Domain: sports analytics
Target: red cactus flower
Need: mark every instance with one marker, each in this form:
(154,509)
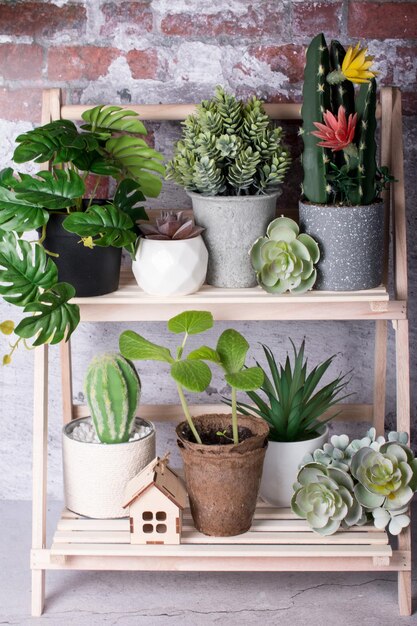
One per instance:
(336,132)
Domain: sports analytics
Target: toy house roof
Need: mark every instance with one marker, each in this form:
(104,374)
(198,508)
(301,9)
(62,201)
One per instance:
(157,474)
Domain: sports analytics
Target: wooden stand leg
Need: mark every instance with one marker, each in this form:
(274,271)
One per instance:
(403,424)
(66,377)
(40,443)
(380,374)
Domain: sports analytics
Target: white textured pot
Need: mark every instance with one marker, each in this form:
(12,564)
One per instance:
(170,267)
(96,474)
(281,467)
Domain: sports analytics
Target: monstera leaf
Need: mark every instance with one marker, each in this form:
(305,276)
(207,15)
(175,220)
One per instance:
(109,226)
(58,141)
(138,161)
(18,215)
(127,197)
(25,270)
(112,118)
(53,319)
(52,191)
(7,178)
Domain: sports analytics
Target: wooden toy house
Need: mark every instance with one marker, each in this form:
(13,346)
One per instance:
(156,498)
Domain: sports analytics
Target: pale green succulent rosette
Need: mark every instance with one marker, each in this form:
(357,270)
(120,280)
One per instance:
(324,497)
(284,260)
(386,478)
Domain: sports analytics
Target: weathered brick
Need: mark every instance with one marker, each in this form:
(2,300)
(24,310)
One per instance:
(134,16)
(266,18)
(143,63)
(288,60)
(38,19)
(21,104)
(310,18)
(97,186)
(21,61)
(404,65)
(78,62)
(382,20)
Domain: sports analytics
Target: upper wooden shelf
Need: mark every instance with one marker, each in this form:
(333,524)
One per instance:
(130,303)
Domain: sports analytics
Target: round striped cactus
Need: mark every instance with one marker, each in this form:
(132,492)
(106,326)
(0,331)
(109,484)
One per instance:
(112,387)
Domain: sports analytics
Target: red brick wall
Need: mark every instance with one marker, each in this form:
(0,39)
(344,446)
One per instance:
(165,51)
(182,48)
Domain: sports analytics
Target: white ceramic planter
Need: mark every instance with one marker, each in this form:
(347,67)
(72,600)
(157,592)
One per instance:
(96,474)
(171,267)
(281,467)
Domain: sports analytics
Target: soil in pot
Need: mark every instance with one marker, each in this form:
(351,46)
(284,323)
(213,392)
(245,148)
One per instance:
(222,478)
(91,272)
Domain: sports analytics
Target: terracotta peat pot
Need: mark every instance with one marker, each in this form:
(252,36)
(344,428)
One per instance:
(351,242)
(91,272)
(223,480)
(233,224)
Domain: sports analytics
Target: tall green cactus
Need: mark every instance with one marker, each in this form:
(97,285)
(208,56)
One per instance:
(112,387)
(365,191)
(316,99)
(342,94)
(349,175)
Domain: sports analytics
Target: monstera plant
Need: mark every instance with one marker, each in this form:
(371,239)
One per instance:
(108,144)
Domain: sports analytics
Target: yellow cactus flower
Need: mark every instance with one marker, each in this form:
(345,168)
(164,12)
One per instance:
(7,327)
(356,65)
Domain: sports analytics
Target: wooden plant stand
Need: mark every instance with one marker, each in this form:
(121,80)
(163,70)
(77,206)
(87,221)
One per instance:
(277,540)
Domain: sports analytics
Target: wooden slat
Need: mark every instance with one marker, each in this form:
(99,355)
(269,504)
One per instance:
(172,412)
(174,112)
(220,551)
(192,536)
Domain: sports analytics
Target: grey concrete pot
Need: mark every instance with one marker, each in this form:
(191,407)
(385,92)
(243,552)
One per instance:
(232,225)
(351,241)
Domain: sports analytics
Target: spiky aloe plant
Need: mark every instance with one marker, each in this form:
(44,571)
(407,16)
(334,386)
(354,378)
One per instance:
(229,148)
(341,168)
(112,387)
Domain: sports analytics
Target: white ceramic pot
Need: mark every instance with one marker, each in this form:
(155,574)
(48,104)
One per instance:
(170,267)
(281,467)
(96,474)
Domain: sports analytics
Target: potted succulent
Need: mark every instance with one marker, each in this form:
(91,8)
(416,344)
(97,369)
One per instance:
(103,452)
(341,206)
(223,455)
(171,257)
(368,480)
(293,406)
(232,162)
(43,275)
(284,259)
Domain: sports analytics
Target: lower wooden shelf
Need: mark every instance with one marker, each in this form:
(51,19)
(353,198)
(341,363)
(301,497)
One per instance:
(277,541)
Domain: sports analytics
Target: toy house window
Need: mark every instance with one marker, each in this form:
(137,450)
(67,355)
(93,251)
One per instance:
(148,516)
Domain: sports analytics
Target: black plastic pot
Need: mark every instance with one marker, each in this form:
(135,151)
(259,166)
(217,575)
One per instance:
(92,272)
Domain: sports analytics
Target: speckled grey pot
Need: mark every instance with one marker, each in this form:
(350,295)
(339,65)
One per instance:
(351,241)
(232,225)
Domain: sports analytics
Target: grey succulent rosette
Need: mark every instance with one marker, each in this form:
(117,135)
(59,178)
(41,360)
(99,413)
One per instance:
(324,496)
(383,478)
(284,259)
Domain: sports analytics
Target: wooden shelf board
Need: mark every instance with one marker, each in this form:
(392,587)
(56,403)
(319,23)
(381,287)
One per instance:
(130,303)
(274,533)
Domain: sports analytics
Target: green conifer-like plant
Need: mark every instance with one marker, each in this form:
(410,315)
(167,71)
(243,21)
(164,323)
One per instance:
(229,148)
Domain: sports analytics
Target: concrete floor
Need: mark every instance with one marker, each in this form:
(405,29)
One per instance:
(190,599)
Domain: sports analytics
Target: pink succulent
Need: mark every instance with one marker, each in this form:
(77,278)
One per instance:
(336,132)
